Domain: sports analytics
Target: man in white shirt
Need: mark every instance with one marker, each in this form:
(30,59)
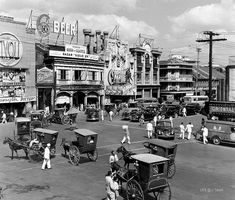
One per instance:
(110,186)
(149,128)
(111,115)
(189,129)
(46,161)
(184,111)
(182,130)
(204,134)
(155,120)
(113,159)
(4,117)
(126,135)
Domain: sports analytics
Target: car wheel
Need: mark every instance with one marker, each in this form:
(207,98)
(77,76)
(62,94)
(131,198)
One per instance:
(216,140)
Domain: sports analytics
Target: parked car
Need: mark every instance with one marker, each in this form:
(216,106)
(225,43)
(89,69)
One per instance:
(164,130)
(170,110)
(92,114)
(127,113)
(191,108)
(135,114)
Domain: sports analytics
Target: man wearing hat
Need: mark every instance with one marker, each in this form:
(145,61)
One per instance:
(126,135)
(46,161)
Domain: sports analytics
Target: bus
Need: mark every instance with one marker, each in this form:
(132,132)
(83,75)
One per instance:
(146,102)
(196,99)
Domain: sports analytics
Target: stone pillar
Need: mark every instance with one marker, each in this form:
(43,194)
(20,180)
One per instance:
(91,43)
(85,101)
(86,33)
(99,100)
(98,41)
(105,33)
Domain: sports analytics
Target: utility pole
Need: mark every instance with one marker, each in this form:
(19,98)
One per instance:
(196,84)
(210,40)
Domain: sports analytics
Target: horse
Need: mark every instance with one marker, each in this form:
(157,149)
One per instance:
(126,156)
(16,145)
(66,145)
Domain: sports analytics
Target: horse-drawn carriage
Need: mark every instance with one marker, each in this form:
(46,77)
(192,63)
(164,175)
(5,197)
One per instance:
(85,144)
(148,175)
(166,149)
(37,119)
(33,141)
(42,138)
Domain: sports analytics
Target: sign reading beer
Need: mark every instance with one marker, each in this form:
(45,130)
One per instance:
(11,50)
(44,26)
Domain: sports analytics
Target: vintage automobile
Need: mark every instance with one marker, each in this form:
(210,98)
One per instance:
(37,119)
(126,114)
(92,114)
(170,110)
(219,132)
(150,112)
(108,107)
(164,130)
(135,114)
(191,108)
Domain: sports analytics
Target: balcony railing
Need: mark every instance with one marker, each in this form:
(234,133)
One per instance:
(79,82)
(177,78)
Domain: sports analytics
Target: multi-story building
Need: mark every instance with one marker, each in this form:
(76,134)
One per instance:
(68,72)
(69,75)
(17,67)
(176,77)
(146,65)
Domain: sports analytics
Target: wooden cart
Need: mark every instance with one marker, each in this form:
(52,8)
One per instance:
(166,149)
(149,175)
(85,143)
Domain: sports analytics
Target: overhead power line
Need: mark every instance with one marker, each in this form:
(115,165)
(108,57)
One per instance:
(210,40)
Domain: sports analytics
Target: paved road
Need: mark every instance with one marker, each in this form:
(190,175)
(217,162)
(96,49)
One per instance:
(203,171)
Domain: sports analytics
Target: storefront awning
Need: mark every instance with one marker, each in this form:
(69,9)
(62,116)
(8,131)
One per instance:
(62,100)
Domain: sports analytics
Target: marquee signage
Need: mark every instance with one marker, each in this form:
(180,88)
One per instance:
(11,49)
(73,55)
(17,99)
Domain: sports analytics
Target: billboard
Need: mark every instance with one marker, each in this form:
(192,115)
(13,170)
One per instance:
(119,74)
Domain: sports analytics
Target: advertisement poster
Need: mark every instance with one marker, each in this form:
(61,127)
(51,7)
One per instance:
(119,75)
(12,83)
(45,75)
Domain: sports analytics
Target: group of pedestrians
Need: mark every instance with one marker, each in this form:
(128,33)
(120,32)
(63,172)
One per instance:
(183,130)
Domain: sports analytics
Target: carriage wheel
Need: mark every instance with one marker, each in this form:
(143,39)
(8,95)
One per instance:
(74,155)
(52,151)
(93,155)
(171,170)
(164,193)
(65,120)
(35,155)
(134,190)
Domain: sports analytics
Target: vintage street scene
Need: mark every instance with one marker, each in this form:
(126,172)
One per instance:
(117,100)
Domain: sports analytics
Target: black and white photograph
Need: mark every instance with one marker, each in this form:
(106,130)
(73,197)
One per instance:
(117,100)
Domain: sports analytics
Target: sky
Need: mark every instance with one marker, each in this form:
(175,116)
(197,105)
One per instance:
(174,25)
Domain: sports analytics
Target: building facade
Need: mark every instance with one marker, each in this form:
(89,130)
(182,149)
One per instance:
(17,67)
(146,66)
(201,78)
(69,77)
(176,77)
